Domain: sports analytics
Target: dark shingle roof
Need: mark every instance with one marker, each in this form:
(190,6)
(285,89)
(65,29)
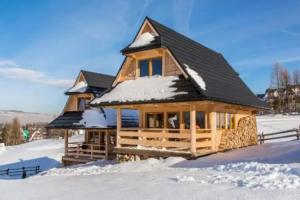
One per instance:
(222,82)
(67,120)
(94,79)
(96,83)
(71,120)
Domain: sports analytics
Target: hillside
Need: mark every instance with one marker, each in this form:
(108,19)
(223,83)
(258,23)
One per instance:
(24,117)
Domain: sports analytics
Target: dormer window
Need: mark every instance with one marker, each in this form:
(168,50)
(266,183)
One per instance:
(150,67)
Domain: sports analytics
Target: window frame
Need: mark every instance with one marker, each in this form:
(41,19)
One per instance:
(86,100)
(178,120)
(150,66)
(155,117)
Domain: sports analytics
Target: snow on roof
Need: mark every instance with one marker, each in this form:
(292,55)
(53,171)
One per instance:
(79,87)
(199,80)
(105,118)
(142,89)
(144,39)
(93,118)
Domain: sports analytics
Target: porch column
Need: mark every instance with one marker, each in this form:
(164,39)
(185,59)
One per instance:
(141,119)
(193,128)
(119,125)
(66,136)
(213,128)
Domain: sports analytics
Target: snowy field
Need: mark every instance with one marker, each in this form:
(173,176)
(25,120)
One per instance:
(268,171)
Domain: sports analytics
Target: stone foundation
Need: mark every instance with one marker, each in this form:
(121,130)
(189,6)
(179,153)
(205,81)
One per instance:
(244,135)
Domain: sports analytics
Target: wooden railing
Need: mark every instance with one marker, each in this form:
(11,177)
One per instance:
(293,133)
(83,150)
(164,139)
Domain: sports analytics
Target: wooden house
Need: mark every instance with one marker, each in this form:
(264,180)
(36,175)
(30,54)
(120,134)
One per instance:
(98,124)
(190,100)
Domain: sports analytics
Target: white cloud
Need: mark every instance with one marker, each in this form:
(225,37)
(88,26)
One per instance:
(10,69)
(289,32)
(181,12)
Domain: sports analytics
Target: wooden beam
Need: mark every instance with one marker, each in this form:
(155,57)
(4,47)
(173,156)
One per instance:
(193,128)
(107,144)
(66,141)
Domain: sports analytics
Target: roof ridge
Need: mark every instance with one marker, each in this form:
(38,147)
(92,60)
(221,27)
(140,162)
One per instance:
(85,71)
(181,35)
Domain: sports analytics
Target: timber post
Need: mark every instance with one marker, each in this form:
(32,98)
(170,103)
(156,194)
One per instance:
(213,129)
(107,144)
(119,124)
(193,129)
(66,142)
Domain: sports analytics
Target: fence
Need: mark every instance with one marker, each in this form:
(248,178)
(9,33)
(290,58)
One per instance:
(23,171)
(278,135)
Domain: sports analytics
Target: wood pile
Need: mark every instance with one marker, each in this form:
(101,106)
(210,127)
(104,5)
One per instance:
(244,135)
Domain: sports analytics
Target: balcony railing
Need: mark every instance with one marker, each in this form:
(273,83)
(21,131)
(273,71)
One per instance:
(163,139)
(87,151)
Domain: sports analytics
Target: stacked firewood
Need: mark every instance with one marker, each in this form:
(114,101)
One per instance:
(244,135)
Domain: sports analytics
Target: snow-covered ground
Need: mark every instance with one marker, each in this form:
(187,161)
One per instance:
(270,123)
(277,123)
(268,171)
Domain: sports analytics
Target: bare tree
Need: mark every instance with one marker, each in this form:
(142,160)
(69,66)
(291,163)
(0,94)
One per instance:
(13,135)
(296,77)
(275,76)
(285,82)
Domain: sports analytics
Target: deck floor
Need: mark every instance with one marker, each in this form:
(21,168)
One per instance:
(160,153)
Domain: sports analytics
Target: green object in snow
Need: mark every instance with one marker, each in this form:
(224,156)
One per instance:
(26,134)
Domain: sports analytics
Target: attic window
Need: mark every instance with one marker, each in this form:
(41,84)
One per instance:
(150,67)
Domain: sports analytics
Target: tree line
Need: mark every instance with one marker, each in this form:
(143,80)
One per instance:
(11,133)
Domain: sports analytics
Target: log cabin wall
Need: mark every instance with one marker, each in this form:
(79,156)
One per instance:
(72,103)
(130,68)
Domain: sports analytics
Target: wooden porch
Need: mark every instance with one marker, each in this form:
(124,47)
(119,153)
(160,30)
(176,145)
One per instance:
(98,144)
(196,132)
(167,142)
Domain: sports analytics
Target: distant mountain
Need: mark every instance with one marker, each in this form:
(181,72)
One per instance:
(24,117)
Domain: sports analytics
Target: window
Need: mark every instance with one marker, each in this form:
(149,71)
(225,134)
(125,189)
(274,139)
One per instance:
(186,120)
(144,68)
(200,120)
(82,103)
(155,64)
(221,121)
(173,120)
(155,120)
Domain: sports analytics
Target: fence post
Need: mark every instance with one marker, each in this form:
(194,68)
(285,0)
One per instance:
(7,172)
(262,138)
(298,132)
(23,173)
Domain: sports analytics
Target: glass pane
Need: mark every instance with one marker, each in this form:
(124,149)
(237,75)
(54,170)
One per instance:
(150,121)
(144,66)
(173,120)
(200,120)
(159,120)
(186,120)
(155,120)
(81,104)
(157,66)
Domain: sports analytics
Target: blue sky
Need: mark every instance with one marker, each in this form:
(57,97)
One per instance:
(44,44)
